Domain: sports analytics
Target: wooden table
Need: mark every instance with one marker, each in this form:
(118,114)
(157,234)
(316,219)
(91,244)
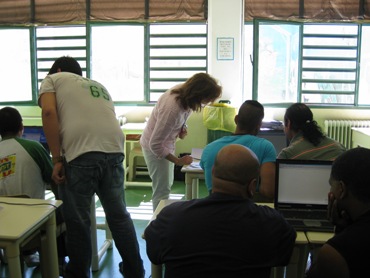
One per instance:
(23,219)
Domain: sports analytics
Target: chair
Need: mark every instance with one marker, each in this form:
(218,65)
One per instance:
(135,153)
(97,253)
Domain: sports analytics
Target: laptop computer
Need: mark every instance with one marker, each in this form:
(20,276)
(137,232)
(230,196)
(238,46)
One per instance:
(301,193)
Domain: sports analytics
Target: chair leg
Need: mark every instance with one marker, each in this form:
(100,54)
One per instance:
(3,258)
(98,252)
(131,168)
(94,237)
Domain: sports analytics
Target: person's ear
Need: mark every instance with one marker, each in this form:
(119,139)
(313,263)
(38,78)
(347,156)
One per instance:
(288,124)
(343,190)
(20,131)
(59,70)
(251,188)
(236,119)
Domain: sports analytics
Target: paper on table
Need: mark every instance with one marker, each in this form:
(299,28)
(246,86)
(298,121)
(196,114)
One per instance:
(193,166)
(196,153)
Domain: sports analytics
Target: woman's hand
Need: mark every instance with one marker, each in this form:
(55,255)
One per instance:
(185,160)
(183,132)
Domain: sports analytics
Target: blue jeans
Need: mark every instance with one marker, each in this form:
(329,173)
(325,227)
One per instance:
(100,173)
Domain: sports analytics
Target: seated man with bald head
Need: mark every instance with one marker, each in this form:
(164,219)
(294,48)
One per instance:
(225,234)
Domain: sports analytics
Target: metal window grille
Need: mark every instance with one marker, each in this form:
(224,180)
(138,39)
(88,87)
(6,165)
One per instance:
(177,51)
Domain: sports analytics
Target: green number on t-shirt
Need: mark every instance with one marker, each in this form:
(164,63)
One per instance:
(98,92)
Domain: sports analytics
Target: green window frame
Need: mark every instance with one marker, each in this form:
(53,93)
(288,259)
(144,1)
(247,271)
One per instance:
(53,42)
(161,56)
(314,63)
(16,73)
(176,52)
(117,60)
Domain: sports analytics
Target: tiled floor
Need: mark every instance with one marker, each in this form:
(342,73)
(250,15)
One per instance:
(139,204)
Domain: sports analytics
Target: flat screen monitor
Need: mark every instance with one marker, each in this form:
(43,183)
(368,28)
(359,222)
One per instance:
(35,133)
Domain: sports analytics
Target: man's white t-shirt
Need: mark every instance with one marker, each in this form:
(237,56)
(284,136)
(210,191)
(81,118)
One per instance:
(86,113)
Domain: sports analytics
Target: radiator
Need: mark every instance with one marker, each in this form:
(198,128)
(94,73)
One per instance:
(341,130)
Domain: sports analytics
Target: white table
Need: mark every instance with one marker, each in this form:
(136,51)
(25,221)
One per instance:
(318,238)
(23,219)
(360,137)
(192,176)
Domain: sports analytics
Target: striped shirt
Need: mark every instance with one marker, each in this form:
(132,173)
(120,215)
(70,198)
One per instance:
(300,148)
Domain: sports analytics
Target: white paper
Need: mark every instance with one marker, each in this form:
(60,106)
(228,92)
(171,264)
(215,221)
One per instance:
(196,153)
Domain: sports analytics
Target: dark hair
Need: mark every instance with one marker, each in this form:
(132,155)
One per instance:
(352,168)
(250,115)
(199,88)
(66,63)
(10,121)
(301,119)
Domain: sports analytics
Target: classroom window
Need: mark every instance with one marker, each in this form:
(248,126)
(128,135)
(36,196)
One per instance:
(177,51)
(329,63)
(364,84)
(248,58)
(15,72)
(117,60)
(276,64)
(313,63)
(53,42)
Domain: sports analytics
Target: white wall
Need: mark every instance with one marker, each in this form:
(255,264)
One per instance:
(226,20)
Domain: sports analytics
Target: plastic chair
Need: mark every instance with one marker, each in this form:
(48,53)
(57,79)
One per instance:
(97,253)
(135,153)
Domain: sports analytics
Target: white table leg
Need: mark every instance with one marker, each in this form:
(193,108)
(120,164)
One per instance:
(12,255)
(49,256)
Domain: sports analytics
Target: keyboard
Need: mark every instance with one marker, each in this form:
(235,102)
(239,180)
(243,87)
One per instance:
(304,214)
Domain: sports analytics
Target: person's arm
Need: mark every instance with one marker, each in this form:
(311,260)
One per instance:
(180,161)
(267,176)
(50,122)
(329,264)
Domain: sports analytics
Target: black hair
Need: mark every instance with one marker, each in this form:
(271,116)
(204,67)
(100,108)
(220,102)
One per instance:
(301,119)
(250,115)
(10,121)
(66,63)
(351,167)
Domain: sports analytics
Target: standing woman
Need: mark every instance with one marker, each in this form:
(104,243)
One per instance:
(167,122)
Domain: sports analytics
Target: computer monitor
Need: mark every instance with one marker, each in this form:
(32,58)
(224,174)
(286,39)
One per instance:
(35,133)
(276,137)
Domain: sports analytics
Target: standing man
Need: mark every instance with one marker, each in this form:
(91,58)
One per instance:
(87,147)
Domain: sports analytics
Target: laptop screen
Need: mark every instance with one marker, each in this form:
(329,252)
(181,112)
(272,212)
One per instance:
(302,183)
(35,133)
